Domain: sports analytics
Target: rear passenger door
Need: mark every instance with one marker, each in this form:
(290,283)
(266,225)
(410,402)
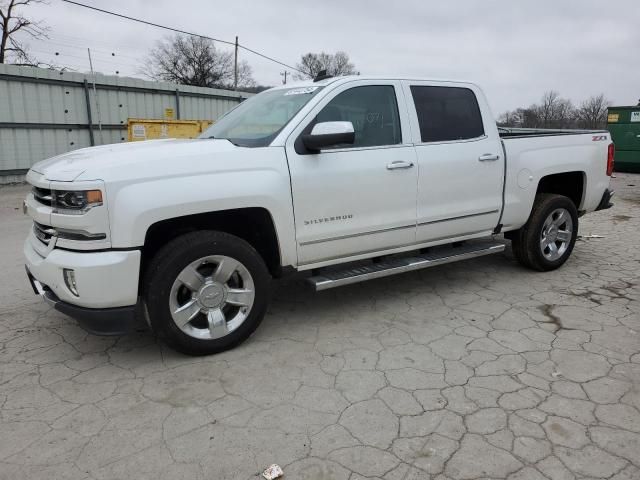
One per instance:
(460,160)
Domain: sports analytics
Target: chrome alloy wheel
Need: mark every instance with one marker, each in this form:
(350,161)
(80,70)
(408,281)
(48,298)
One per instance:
(211,297)
(556,234)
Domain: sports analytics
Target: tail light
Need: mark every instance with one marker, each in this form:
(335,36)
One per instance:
(610,158)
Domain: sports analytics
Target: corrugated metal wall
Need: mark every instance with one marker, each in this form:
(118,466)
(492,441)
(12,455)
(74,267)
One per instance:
(44,112)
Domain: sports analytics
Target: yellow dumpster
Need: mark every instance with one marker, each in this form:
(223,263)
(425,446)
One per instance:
(152,129)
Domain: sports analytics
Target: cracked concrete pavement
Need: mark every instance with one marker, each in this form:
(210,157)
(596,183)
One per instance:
(473,370)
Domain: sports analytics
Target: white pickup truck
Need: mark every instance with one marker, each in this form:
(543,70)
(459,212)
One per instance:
(350,178)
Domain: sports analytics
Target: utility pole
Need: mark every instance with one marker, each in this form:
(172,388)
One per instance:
(284,77)
(95,94)
(235,67)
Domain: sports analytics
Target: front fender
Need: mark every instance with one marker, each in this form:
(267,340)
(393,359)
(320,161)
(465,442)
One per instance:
(135,207)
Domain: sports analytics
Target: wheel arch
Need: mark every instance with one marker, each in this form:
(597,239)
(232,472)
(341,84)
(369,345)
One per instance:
(255,225)
(569,184)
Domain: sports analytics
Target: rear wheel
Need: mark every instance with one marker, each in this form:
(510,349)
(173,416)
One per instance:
(206,292)
(546,241)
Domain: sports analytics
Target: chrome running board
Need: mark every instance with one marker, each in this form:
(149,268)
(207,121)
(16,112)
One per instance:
(435,256)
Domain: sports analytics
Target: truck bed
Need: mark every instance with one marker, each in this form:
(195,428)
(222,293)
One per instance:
(531,154)
(514,132)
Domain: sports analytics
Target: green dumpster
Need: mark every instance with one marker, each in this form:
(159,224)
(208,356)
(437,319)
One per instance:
(624,125)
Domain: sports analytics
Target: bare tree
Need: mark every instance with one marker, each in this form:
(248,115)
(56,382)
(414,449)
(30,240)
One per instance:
(553,112)
(14,22)
(512,118)
(593,112)
(557,112)
(191,60)
(565,115)
(335,64)
(521,118)
(547,109)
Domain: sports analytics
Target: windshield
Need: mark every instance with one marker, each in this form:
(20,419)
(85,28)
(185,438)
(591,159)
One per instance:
(258,120)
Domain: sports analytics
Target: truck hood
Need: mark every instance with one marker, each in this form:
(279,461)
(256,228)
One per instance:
(136,159)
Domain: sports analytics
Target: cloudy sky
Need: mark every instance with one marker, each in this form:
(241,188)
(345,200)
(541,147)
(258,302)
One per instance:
(515,50)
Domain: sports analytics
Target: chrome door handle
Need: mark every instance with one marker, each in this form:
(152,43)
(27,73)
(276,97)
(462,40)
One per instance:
(489,157)
(398,165)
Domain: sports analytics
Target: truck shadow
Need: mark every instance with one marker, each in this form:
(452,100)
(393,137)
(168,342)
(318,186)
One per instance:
(363,309)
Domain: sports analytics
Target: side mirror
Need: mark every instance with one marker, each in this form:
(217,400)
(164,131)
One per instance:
(329,134)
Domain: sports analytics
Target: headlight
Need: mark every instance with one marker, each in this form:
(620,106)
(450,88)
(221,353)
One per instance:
(75,201)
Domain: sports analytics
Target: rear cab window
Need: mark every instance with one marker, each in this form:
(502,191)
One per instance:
(447,113)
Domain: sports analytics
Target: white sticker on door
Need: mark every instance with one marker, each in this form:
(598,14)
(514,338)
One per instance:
(635,116)
(301,91)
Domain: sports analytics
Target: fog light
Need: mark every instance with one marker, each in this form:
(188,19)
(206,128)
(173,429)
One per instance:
(70,280)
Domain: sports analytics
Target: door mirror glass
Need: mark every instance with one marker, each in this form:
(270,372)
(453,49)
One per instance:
(329,134)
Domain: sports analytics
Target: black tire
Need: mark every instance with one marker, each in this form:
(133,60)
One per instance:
(525,242)
(172,259)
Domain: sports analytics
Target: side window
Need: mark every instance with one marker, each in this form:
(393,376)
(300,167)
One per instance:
(447,113)
(373,110)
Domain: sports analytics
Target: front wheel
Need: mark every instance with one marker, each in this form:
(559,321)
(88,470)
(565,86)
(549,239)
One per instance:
(206,292)
(546,241)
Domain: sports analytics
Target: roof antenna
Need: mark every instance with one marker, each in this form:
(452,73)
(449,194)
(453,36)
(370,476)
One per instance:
(322,75)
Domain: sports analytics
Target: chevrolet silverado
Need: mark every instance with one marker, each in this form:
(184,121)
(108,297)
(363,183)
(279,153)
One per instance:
(349,178)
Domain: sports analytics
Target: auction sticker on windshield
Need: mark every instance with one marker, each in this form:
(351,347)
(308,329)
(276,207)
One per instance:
(301,91)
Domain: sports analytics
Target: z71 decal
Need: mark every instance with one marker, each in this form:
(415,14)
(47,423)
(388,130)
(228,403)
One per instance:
(599,138)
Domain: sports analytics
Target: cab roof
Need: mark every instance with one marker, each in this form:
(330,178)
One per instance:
(347,78)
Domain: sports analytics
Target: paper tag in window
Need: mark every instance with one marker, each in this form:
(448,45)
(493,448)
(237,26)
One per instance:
(301,91)
(635,116)
(138,131)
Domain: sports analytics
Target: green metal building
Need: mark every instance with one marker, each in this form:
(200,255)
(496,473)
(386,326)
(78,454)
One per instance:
(624,125)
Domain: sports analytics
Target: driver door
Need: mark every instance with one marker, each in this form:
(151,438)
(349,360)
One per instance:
(358,199)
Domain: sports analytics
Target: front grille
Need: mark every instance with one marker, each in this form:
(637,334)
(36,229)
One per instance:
(43,233)
(42,195)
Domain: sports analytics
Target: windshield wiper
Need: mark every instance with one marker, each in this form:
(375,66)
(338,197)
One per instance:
(227,139)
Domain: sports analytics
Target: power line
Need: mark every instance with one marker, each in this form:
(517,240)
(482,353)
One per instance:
(157,25)
(269,58)
(111,53)
(64,54)
(111,45)
(126,17)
